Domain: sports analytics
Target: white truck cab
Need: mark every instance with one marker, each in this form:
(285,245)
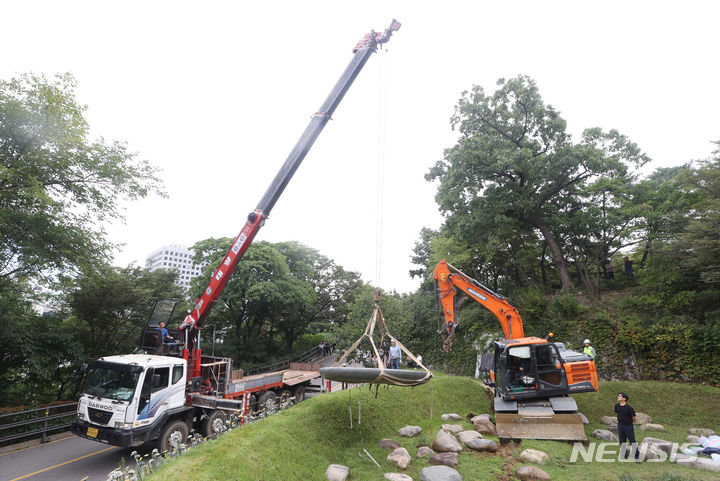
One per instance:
(128,399)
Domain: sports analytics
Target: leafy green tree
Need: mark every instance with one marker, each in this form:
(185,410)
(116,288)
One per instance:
(109,306)
(515,161)
(55,183)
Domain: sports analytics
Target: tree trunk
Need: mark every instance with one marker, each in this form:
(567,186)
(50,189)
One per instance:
(555,251)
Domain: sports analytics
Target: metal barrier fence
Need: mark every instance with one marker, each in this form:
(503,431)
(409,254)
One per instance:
(49,417)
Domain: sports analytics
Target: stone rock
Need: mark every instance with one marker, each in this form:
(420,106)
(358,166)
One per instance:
(409,431)
(465,436)
(701,431)
(451,417)
(642,418)
(604,434)
(697,462)
(652,427)
(452,428)
(613,428)
(584,419)
(534,456)
(388,444)
(660,444)
(400,458)
(608,420)
(446,442)
(484,426)
(472,419)
(693,439)
(445,459)
(650,451)
(425,451)
(397,477)
(531,473)
(478,444)
(337,472)
(439,473)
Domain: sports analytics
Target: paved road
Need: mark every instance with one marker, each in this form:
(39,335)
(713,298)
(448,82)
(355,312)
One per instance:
(67,458)
(70,458)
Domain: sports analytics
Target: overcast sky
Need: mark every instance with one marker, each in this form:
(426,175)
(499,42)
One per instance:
(217,93)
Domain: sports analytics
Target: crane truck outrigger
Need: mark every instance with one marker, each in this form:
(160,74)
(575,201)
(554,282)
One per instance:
(136,399)
(532,377)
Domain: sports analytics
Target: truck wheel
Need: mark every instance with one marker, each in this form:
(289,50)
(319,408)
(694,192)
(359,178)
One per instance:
(267,401)
(213,425)
(300,393)
(174,434)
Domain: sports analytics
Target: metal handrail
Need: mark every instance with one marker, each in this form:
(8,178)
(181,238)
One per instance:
(44,430)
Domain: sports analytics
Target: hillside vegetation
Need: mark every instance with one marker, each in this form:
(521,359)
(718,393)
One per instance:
(300,443)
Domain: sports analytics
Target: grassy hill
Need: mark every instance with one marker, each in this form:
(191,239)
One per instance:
(299,444)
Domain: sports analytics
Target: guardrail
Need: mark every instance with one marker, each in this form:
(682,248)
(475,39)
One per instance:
(50,419)
(305,357)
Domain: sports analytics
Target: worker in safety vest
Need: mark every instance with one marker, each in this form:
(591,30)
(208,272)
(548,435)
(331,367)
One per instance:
(589,350)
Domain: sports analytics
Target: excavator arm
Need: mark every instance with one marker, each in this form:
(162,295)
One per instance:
(449,279)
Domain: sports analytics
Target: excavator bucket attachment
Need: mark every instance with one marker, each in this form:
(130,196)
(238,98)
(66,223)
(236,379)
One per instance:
(561,427)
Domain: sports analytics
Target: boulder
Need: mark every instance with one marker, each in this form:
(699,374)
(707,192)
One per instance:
(446,442)
(465,436)
(693,439)
(451,417)
(452,428)
(409,431)
(697,462)
(424,451)
(613,428)
(484,426)
(650,451)
(534,456)
(473,418)
(660,444)
(397,477)
(478,444)
(604,434)
(337,472)
(439,473)
(701,431)
(530,473)
(652,427)
(642,418)
(388,444)
(444,459)
(400,458)
(584,419)
(608,420)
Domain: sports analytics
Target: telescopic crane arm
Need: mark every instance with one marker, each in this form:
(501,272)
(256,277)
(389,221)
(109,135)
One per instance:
(255,220)
(448,279)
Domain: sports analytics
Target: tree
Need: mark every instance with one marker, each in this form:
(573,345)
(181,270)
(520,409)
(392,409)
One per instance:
(515,161)
(109,306)
(55,183)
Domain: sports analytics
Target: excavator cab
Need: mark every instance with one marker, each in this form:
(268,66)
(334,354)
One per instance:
(528,370)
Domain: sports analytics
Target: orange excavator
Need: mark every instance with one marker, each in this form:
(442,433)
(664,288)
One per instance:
(531,376)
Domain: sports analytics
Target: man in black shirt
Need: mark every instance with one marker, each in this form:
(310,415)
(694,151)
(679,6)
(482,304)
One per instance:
(626,431)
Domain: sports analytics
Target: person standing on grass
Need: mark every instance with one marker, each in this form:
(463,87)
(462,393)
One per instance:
(626,430)
(395,355)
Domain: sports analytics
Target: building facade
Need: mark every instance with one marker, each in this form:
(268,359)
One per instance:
(175,257)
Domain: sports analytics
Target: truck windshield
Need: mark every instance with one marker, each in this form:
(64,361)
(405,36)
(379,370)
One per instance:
(113,381)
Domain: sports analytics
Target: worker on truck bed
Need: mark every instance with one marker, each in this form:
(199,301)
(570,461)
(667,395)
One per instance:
(164,333)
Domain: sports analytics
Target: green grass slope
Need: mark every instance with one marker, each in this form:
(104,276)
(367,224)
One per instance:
(300,443)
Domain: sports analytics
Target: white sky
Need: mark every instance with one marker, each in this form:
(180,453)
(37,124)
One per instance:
(217,93)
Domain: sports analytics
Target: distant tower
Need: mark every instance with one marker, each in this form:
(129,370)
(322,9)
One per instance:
(175,257)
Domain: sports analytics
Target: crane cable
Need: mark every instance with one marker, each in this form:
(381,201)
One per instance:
(380,185)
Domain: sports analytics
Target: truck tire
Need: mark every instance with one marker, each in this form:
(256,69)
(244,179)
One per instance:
(213,425)
(267,401)
(300,393)
(176,432)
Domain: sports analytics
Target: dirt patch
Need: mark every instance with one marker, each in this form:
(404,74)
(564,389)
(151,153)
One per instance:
(508,470)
